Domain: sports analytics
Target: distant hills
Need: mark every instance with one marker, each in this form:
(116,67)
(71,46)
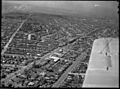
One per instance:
(11,7)
(97,11)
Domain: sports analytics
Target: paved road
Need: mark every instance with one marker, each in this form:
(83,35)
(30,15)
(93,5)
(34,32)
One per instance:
(75,63)
(12,75)
(65,74)
(77,73)
(6,46)
(16,55)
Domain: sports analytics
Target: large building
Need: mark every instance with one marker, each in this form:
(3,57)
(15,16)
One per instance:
(103,67)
